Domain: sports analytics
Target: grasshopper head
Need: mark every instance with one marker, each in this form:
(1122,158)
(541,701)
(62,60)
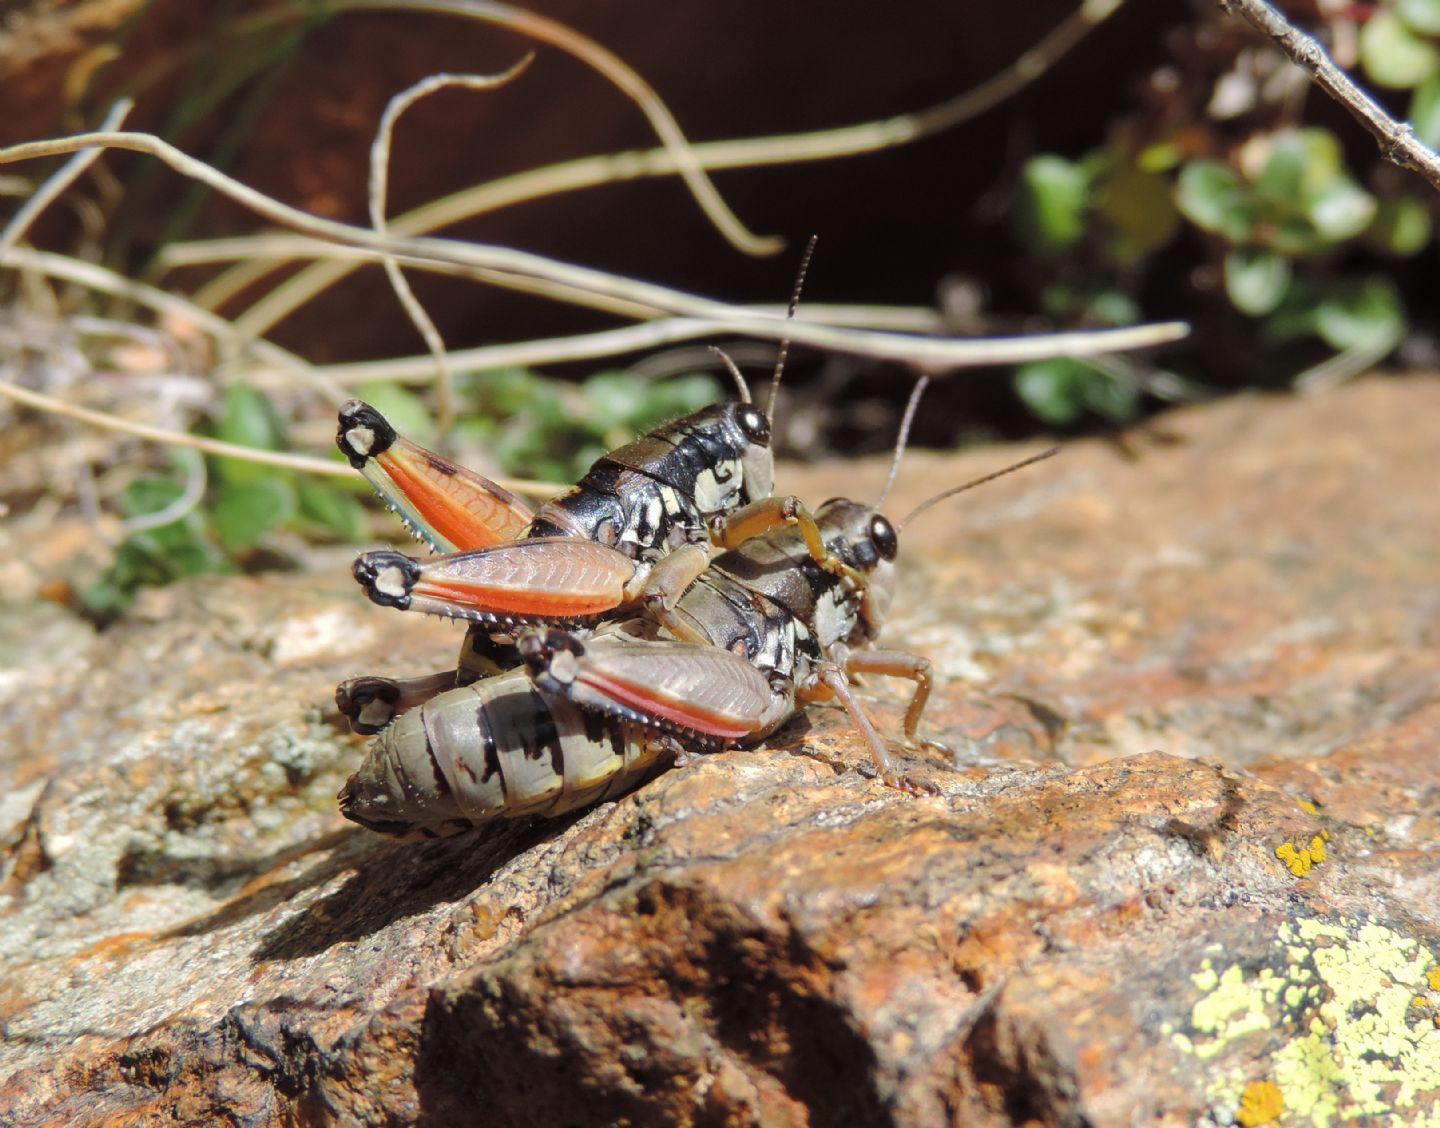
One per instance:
(725,452)
(863,538)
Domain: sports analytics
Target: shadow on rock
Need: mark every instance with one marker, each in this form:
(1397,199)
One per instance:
(396,880)
(265,891)
(752,1027)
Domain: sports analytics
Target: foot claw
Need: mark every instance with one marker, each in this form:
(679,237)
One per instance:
(914,785)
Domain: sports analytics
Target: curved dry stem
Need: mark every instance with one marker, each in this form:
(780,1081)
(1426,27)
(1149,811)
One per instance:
(302,462)
(646,336)
(61,179)
(182,506)
(930,353)
(618,72)
(379,185)
(783,149)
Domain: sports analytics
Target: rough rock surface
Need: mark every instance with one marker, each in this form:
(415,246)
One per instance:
(1185,867)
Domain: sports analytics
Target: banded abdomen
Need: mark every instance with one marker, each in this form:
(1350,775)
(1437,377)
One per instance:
(494,749)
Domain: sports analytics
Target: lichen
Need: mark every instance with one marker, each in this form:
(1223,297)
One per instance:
(1300,859)
(1335,1021)
(1260,1103)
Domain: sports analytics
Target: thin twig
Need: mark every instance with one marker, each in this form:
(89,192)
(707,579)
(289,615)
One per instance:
(190,497)
(1396,139)
(379,185)
(933,354)
(618,72)
(61,179)
(750,152)
(611,342)
(302,462)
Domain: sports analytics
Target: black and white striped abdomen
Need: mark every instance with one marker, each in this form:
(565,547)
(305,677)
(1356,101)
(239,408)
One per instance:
(493,749)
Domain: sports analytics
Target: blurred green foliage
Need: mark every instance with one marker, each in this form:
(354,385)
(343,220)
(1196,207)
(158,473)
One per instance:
(1302,243)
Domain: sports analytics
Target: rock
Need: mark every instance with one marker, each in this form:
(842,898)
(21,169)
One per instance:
(1181,869)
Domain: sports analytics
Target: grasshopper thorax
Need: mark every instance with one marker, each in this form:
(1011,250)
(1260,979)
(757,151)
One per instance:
(720,456)
(666,488)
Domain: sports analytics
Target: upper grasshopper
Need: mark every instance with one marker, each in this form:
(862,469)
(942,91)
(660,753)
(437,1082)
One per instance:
(701,480)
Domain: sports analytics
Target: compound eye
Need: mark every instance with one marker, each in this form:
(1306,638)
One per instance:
(882,533)
(754,424)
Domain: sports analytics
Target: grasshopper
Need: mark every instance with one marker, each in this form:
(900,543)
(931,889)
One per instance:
(764,630)
(699,481)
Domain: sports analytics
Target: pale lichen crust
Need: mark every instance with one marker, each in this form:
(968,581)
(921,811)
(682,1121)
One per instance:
(1340,1027)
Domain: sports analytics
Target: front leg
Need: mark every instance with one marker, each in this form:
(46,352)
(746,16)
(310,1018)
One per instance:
(770,513)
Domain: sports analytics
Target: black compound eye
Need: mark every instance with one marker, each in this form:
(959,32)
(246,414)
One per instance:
(882,533)
(754,424)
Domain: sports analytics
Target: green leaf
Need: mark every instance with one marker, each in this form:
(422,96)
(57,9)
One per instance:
(1340,210)
(1425,110)
(1324,156)
(1053,203)
(1360,312)
(149,494)
(685,394)
(1283,173)
(1051,388)
(1393,54)
(245,511)
(1140,207)
(249,420)
(1211,196)
(616,400)
(323,504)
(1402,226)
(1256,280)
(1421,15)
(1115,400)
(1111,307)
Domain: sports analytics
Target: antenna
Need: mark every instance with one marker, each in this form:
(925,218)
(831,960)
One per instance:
(789,313)
(905,421)
(953,490)
(734,371)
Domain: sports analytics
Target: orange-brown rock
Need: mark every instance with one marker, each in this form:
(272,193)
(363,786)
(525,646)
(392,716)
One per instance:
(1183,865)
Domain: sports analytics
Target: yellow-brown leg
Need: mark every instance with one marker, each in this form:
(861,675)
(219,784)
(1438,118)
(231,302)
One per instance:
(898,664)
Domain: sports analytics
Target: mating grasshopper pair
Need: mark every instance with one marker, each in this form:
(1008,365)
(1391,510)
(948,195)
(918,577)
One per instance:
(693,653)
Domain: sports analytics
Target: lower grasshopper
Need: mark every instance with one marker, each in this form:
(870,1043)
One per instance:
(764,630)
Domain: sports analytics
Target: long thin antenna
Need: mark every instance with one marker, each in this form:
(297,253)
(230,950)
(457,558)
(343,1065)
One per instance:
(953,490)
(734,371)
(905,421)
(789,313)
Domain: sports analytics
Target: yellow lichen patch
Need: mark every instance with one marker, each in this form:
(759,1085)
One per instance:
(1261,1103)
(1308,807)
(1433,978)
(1299,860)
(1331,1020)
